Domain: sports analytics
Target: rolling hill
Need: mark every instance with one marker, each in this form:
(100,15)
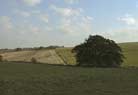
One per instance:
(64,56)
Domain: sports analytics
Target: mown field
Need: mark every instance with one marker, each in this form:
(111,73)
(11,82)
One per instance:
(45,56)
(42,79)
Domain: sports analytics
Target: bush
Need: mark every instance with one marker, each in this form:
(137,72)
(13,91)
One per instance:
(1,58)
(41,47)
(18,49)
(34,60)
(97,51)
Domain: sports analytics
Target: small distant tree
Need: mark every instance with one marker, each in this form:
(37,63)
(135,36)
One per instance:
(1,58)
(98,51)
(18,49)
(34,60)
(41,47)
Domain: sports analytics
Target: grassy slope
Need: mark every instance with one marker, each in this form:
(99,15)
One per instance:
(42,79)
(131,53)
(66,55)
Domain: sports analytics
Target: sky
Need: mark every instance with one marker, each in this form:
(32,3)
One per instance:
(34,23)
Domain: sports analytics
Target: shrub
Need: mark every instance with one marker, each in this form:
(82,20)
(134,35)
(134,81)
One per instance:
(1,58)
(18,49)
(41,47)
(34,60)
(98,51)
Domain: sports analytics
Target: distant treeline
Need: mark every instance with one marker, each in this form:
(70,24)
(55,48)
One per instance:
(33,48)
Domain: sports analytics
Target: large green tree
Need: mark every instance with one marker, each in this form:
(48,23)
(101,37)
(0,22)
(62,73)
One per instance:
(98,51)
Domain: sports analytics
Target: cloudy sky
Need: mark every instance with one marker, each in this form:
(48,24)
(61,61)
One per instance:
(29,23)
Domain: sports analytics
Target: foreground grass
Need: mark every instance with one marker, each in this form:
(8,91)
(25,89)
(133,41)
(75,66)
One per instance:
(42,79)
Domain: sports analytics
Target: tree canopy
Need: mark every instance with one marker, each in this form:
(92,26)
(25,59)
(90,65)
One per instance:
(97,51)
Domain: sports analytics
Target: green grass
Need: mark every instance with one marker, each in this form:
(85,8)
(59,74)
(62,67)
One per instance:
(130,51)
(42,79)
(66,55)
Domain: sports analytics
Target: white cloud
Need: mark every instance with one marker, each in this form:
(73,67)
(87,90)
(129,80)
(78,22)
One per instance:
(34,29)
(87,19)
(122,35)
(86,24)
(71,1)
(35,13)
(5,24)
(27,29)
(72,20)
(32,2)
(44,18)
(22,13)
(128,19)
(66,12)
(66,26)
(25,14)
(81,25)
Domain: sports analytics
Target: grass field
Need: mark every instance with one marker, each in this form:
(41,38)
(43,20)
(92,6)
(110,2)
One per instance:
(131,53)
(42,79)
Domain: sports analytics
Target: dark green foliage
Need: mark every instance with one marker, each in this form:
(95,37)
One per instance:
(98,51)
(18,49)
(1,58)
(49,47)
(33,60)
(41,47)
(54,47)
